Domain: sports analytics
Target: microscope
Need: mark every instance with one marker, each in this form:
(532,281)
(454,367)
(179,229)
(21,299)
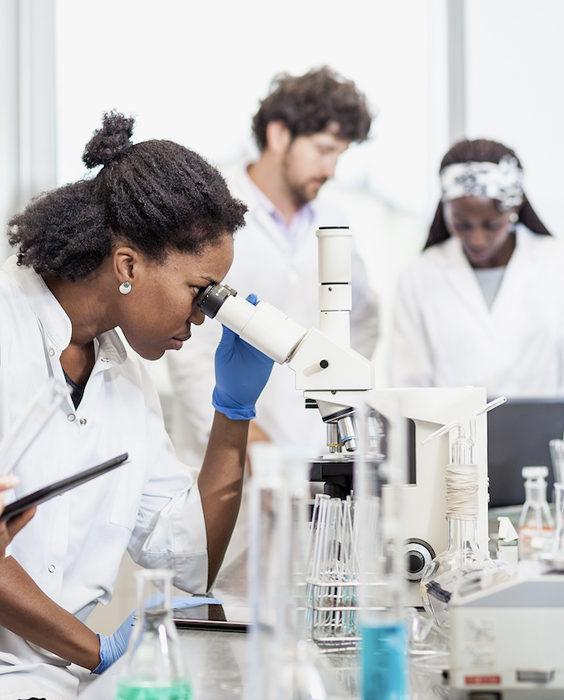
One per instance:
(339,382)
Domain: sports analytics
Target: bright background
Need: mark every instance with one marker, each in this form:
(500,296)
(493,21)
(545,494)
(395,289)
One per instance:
(194,72)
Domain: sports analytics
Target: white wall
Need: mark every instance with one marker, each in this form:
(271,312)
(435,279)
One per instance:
(515,93)
(194,73)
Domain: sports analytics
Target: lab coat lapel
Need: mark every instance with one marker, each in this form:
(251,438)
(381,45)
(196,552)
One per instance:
(461,281)
(265,221)
(244,188)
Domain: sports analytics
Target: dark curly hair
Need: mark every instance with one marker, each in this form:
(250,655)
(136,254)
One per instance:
(157,196)
(308,104)
(481,151)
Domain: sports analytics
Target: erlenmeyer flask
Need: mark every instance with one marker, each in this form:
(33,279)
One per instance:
(153,666)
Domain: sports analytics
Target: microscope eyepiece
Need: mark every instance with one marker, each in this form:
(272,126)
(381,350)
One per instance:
(213,297)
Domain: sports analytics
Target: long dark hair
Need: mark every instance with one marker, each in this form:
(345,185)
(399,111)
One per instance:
(155,195)
(481,151)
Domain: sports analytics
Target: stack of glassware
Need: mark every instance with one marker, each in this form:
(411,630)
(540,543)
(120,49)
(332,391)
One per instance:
(332,582)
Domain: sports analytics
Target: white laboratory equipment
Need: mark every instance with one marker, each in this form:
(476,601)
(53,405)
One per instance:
(536,525)
(506,642)
(153,664)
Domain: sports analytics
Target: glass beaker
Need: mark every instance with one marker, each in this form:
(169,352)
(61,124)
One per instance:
(153,665)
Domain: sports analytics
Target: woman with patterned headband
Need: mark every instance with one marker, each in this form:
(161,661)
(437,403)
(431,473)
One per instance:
(484,303)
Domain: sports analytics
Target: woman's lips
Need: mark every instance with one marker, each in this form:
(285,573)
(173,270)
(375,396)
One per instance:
(178,342)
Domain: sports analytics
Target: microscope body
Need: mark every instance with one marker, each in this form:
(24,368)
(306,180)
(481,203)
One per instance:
(340,383)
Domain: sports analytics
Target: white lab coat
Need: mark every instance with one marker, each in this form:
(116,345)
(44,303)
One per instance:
(73,546)
(444,334)
(285,275)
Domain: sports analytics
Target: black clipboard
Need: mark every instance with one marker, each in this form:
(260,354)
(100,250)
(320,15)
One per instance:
(59,487)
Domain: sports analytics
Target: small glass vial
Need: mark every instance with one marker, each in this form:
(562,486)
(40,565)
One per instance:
(153,666)
(536,526)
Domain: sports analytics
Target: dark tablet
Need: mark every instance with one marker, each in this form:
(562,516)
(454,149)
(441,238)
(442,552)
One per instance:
(213,616)
(59,487)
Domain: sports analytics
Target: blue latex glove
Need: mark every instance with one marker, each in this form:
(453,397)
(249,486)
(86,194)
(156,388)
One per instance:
(111,648)
(241,373)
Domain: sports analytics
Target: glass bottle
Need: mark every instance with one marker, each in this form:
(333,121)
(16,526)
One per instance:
(153,665)
(536,526)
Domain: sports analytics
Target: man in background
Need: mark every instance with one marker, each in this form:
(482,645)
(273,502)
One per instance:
(301,128)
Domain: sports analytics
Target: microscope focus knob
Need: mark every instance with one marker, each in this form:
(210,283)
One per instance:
(416,555)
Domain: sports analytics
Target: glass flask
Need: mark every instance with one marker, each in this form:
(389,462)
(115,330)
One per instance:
(553,560)
(463,567)
(557,458)
(153,665)
(536,526)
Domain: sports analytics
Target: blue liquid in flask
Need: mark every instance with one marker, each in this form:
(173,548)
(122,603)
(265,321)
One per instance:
(384,661)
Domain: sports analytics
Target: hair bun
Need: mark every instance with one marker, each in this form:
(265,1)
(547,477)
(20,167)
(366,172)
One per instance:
(110,141)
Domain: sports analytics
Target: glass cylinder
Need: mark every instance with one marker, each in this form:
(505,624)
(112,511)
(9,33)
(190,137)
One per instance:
(379,482)
(153,666)
(284,665)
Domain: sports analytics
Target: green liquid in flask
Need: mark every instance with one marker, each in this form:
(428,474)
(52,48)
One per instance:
(153,691)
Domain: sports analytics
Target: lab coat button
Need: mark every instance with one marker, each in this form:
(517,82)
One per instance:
(71,417)
(105,359)
(83,421)
(51,352)
(51,568)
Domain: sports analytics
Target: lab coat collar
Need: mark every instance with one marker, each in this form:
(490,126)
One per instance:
(263,210)
(52,318)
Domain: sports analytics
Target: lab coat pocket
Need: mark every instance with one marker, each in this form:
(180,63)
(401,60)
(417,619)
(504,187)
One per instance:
(126,497)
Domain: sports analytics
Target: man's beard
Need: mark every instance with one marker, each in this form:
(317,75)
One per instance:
(299,192)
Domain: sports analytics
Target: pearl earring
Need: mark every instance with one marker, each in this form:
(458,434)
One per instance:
(514,217)
(125,287)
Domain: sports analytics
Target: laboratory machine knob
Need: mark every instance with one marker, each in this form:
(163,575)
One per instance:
(417,554)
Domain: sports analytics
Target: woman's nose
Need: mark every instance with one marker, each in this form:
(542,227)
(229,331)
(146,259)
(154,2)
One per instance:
(477,236)
(197,316)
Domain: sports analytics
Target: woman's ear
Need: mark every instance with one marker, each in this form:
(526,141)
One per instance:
(126,263)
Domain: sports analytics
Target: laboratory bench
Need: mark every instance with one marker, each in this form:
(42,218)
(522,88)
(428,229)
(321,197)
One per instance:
(217,661)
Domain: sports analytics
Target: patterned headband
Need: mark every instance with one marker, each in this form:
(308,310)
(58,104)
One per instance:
(501,181)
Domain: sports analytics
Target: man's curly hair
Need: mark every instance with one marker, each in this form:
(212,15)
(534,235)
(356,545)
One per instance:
(310,103)
(156,196)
